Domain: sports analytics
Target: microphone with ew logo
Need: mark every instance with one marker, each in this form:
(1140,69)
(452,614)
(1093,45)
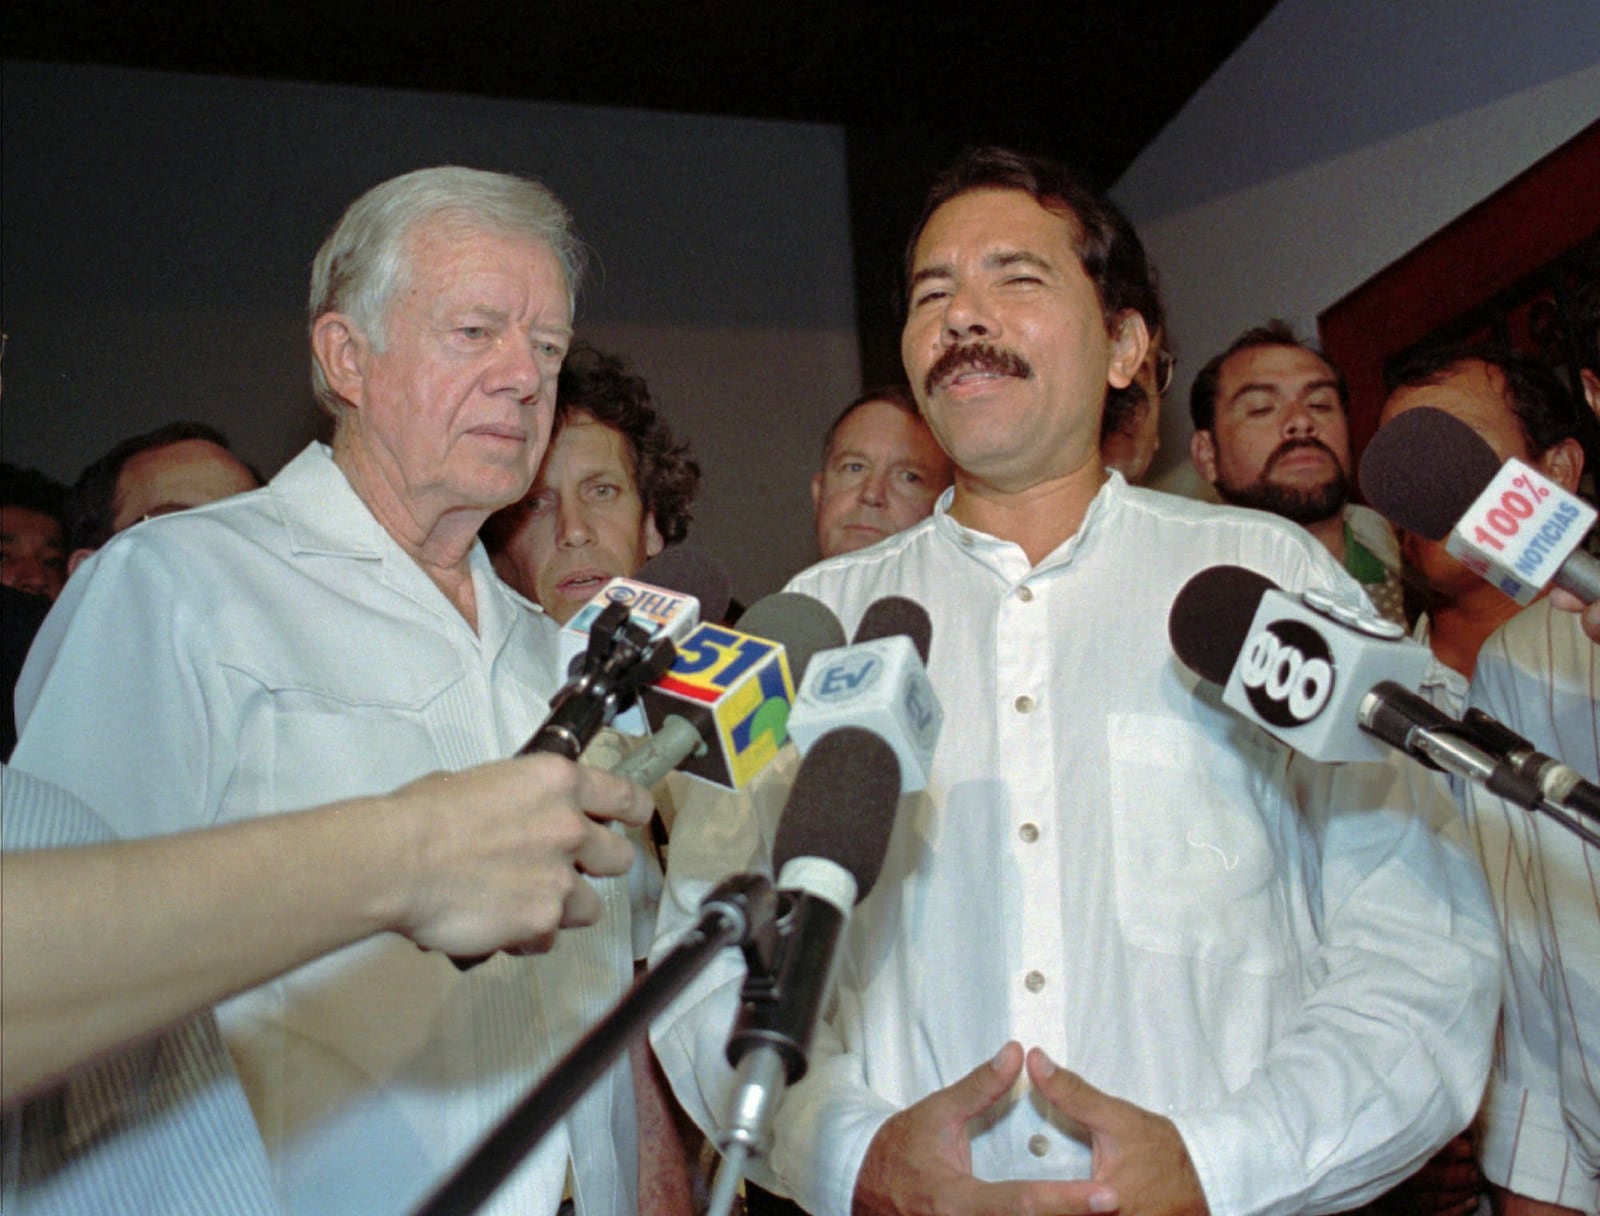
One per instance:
(879,683)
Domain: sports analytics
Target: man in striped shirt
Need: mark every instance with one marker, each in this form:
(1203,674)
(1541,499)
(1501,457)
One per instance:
(1538,1132)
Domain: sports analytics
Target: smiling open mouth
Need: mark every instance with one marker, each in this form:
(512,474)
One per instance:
(978,359)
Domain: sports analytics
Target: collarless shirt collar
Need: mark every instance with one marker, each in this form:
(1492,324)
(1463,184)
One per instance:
(1007,558)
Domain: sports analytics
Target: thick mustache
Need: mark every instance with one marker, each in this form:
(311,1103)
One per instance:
(1294,445)
(976,356)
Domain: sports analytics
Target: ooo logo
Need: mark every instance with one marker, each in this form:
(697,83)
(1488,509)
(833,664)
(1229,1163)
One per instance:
(1287,672)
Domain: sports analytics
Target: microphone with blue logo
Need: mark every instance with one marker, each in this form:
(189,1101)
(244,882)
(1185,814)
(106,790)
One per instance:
(879,683)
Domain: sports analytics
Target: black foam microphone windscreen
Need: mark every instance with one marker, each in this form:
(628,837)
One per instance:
(893,615)
(690,570)
(803,624)
(842,805)
(1210,618)
(1424,469)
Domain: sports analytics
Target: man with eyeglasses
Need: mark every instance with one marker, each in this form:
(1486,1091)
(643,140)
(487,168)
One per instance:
(1130,433)
(1270,432)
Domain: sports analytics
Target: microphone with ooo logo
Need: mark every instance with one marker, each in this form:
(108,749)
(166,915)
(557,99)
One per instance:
(880,682)
(1323,686)
(1298,665)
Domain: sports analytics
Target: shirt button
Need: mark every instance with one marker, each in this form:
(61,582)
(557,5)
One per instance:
(1024,704)
(1038,1145)
(1025,594)
(1029,832)
(1033,981)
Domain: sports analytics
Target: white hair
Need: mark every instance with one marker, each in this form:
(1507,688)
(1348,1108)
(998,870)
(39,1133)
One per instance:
(364,261)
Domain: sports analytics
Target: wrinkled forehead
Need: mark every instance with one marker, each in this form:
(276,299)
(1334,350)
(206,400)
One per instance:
(1277,368)
(444,245)
(577,427)
(880,423)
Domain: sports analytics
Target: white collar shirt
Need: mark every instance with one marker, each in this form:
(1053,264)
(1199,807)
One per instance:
(278,650)
(1280,956)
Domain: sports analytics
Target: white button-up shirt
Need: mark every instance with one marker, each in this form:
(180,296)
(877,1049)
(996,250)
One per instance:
(279,650)
(1282,957)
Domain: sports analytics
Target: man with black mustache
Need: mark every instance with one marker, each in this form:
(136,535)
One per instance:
(1127,952)
(1270,432)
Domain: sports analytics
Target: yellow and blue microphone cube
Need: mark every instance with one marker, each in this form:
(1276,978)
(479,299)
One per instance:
(737,690)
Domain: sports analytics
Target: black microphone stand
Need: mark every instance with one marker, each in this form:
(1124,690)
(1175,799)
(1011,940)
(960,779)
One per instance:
(734,913)
(778,1016)
(1484,751)
(1534,781)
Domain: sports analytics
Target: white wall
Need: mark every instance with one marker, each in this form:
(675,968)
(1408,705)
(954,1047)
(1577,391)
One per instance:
(158,233)
(1450,101)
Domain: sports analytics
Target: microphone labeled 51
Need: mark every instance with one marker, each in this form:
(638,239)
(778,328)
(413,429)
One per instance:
(1520,530)
(743,683)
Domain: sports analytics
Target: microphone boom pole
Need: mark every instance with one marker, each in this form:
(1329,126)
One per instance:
(730,916)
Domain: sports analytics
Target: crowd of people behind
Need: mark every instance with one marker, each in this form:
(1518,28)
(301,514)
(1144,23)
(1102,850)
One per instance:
(1128,951)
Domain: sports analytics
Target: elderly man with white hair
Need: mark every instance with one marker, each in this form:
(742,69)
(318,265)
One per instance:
(340,632)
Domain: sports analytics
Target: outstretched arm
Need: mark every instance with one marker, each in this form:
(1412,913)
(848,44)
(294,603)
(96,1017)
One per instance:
(107,942)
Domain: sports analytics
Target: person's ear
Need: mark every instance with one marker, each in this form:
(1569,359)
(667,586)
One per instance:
(340,349)
(1130,342)
(1562,463)
(1203,452)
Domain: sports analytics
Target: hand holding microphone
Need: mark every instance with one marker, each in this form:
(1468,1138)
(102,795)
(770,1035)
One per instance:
(621,654)
(1589,614)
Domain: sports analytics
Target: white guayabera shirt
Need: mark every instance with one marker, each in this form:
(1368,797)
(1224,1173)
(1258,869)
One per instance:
(278,650)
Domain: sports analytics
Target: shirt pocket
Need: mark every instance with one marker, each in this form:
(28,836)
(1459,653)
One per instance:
(382,716)
(1196,872)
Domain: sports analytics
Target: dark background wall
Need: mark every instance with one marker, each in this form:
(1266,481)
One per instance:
(159,229)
